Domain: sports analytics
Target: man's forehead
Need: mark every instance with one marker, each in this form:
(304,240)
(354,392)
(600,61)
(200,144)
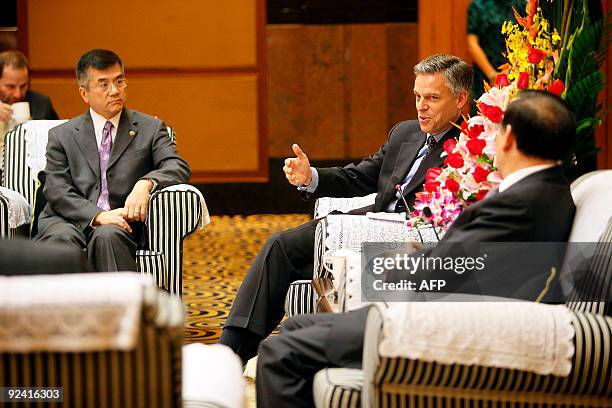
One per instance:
(431,83)
(12,74)
(103,74)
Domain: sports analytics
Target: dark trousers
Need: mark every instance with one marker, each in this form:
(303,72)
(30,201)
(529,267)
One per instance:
(109,248)
(285,257)
(21,256)
(287,363)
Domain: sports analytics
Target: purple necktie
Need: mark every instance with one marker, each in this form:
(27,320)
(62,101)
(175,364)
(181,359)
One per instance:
(105,151)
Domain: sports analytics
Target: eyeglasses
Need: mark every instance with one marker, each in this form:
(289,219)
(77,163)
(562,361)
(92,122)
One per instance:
(104,87)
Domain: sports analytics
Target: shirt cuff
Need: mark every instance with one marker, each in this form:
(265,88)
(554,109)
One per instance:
(314,182)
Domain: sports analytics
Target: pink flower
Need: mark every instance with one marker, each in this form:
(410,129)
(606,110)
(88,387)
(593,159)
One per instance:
(556,87)
(451,185)
(501,80)
(493,113)
(480,174)
(454,160)
(523,80)
(475,146)
(449,145)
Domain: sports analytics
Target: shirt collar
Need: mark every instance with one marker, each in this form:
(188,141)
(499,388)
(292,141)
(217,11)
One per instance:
(439,136)
(99,120)
(520,174)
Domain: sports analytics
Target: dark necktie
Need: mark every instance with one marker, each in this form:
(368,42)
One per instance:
(431,142)
(105,151)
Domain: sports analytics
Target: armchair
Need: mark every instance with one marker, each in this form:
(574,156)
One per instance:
(384,381)
(174,212)
(109,340)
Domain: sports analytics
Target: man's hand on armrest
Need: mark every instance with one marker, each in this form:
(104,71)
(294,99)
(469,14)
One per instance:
(112,217)
(137,203)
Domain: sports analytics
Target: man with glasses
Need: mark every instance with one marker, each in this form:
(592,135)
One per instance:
(102,167)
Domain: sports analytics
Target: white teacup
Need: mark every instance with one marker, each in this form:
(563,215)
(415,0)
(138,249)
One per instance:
(21,112)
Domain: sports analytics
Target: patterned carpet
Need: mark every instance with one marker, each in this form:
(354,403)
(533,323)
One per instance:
(215,262)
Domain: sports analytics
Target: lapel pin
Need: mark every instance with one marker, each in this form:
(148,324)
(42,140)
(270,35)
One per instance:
(132,133)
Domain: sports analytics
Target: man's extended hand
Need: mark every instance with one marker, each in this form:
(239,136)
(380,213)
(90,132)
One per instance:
(297,170)
(137,203)
(114,217)
(6,112)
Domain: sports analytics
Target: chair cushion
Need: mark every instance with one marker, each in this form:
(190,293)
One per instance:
(338,387)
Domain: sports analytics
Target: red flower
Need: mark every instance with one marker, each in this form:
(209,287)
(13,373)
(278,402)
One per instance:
(556,87)
(454,160)
(481,194)
(523,80)
(464,126)
(451,185)
(475,131)
(535,55)
(480,174)
(432,186)
(433,173)
(449,145)
(493,113)
(475,146)
(501,80)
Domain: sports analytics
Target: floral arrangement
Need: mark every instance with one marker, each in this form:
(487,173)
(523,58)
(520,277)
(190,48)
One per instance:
(469,172)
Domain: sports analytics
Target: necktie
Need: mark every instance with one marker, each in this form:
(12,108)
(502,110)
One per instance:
(431,142)
(105,151)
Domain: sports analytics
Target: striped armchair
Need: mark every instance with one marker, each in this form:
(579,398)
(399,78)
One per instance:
(174,213)
(116,347)
(391,382)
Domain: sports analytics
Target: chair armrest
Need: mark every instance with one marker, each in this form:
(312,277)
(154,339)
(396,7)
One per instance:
(325,205)
(222,386)
(371,338)
(589,376)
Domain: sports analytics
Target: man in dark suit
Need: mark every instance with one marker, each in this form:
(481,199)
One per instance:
(102,167)
(533,204)
(441,87)
(15,87)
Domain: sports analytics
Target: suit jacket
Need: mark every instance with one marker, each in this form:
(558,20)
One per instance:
(538,208)
(142,149)
(386,168)
(40,106)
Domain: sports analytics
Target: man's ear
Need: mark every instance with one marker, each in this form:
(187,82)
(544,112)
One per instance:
(508,141)
(84,94)
(462,98)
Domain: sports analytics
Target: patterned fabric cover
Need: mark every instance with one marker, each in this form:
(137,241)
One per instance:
(173,215)
(148,376)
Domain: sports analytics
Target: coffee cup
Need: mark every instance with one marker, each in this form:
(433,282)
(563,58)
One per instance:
(21,112)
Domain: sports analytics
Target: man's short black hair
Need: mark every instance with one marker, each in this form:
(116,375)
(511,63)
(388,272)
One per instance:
(98,59)
(543,124)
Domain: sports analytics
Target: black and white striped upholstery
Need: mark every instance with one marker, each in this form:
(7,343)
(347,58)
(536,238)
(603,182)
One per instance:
(174,213)
(5,231)
(300,299)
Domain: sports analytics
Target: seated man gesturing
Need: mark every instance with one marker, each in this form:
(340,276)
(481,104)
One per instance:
(441,90)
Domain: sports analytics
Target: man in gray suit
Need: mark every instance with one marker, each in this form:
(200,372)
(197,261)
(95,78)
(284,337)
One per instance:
(102,167)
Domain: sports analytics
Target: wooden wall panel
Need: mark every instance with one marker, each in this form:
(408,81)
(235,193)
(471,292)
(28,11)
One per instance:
(443,27)
(199,65)
(337,89)
(146,33)
(214,117)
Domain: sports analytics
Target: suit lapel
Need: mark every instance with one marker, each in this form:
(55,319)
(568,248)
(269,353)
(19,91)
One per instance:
(85,138)
(403,162)
(125,134)
(431,160)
